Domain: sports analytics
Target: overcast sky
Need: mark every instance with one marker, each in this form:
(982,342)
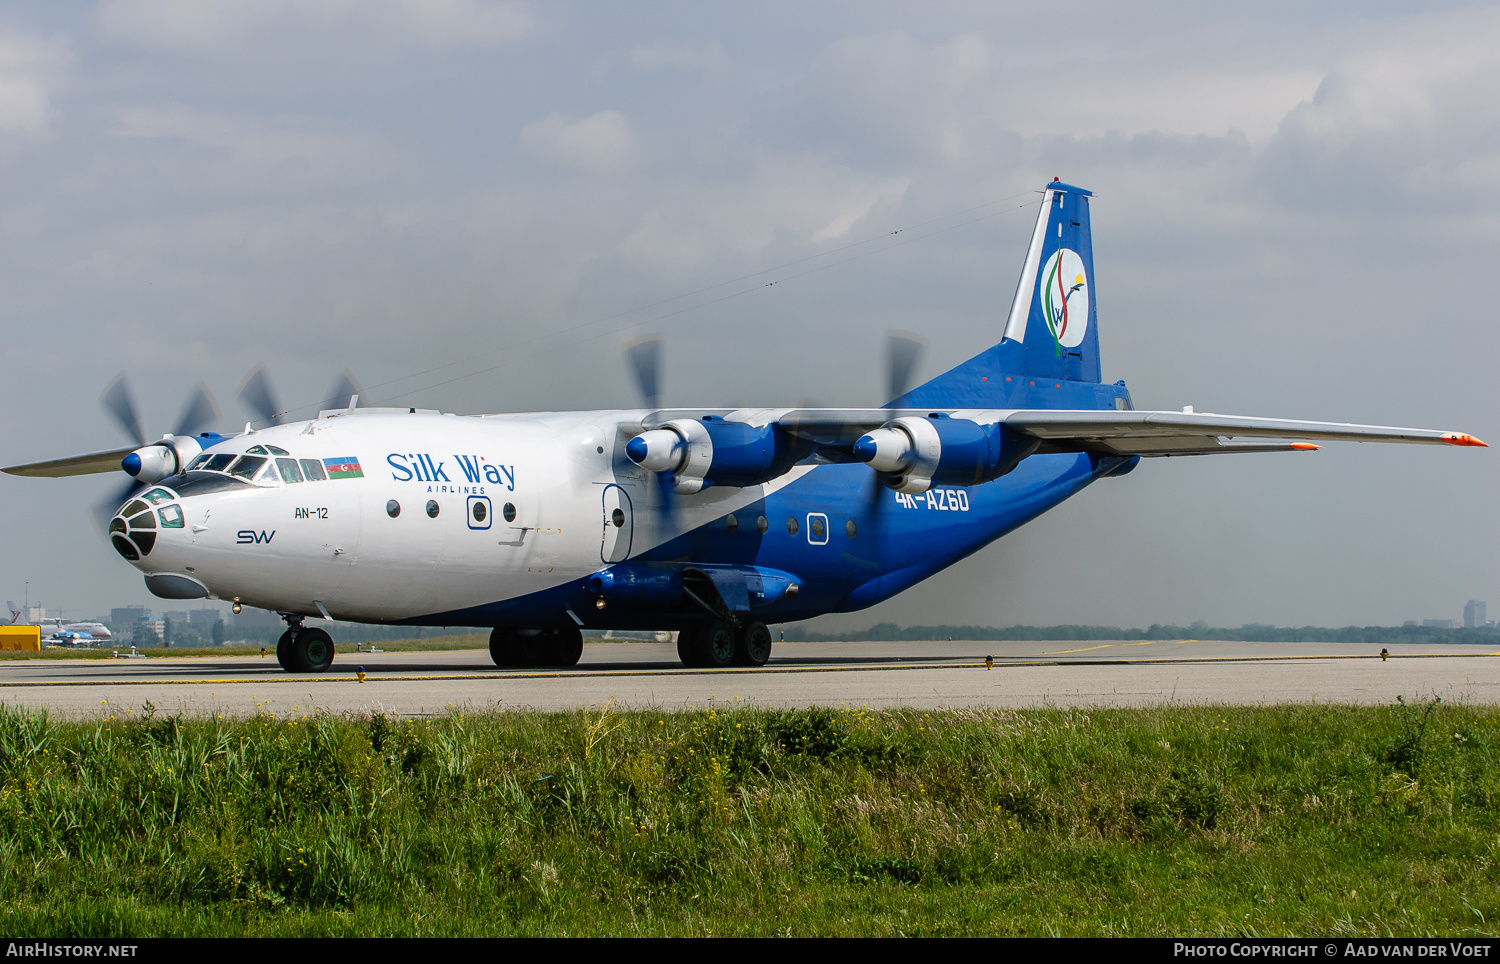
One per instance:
(472,205)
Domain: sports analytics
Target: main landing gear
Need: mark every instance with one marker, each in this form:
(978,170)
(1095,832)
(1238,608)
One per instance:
(528,648)
(720,643)
(302,650)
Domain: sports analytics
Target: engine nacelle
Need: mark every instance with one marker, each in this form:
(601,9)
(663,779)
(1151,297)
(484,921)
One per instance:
(699,453)
(157,461)
(919,452)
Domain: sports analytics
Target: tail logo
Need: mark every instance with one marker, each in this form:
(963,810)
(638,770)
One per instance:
(1065,298)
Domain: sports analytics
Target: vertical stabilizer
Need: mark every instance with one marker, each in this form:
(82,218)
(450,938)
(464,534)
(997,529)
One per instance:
(1053,316)
(1049,354)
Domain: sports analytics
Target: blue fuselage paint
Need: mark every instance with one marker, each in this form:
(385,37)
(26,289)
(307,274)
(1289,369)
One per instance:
(897,542)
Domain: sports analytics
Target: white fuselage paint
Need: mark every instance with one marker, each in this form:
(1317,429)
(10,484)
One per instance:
(290,547)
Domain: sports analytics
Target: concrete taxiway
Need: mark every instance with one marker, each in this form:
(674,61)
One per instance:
(939,674)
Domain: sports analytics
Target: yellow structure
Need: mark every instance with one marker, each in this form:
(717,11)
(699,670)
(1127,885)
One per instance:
(26,638)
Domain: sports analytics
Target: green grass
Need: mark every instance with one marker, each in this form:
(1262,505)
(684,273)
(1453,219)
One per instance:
(1169,821)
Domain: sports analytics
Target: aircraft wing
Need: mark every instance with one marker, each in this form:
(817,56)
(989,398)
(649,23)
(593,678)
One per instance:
(1201,433)
(73,465)
(1110,432)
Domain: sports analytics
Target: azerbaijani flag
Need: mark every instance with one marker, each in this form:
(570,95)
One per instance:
(344,468)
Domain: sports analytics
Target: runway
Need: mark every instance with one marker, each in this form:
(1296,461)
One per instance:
(939,674)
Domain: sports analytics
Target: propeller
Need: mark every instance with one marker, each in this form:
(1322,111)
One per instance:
(644,356)
(259,397)
(199,413)
(902,352)
(343,392)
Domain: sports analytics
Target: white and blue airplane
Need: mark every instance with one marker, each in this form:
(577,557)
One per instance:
(715,522)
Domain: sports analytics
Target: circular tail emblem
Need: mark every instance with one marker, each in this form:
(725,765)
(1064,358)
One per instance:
(1065,298)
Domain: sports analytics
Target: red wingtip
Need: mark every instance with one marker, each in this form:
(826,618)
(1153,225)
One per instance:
(1458,438)
(1305,447)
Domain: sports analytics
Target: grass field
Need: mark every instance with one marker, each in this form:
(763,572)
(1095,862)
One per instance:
(1170,821)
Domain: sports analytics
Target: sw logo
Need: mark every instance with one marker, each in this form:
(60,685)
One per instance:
(249,537)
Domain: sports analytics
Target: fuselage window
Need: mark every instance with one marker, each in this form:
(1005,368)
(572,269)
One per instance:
(762,524)
(509,512)
(731,523)
(277,450)
(247,466)
(312,469)
(393,508)
(289,470)
(219,463)
(850,528)
(791,525)
(432,509)
(818,526)
(480,511)
(255,450)
(171,517)
(618,518)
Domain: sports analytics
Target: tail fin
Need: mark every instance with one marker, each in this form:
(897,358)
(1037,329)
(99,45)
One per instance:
(1053,317)
(1051,336)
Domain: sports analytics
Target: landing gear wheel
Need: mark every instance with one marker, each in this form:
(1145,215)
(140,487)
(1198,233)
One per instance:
(753,645)
(501,650)
(716,644)
(284,649)
(567,647)
(312,651)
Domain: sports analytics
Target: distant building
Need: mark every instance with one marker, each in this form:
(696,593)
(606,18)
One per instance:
(204,617)
(129,614)
(1440,623)
(256,618)
(1474,614)
(178,616)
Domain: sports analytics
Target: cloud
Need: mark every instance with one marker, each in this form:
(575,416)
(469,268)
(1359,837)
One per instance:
(601,142)
(664,56)
(31,68)
(252,142)
(208,25)
(809,200)
(1409,123)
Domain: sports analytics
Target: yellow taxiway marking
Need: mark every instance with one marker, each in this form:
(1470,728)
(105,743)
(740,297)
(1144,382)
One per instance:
(1063,652)
(838,668)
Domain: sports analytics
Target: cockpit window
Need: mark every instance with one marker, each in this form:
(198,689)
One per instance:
(313,470)
(277,450)
(157,496)
(133,508)
(247,466)
(256,450)
(267,473)
(218,463)
(198,462)
(171,517)
(144,521)
(289,471)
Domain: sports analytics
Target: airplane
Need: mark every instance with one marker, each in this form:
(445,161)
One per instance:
(60,630)
(714,522)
